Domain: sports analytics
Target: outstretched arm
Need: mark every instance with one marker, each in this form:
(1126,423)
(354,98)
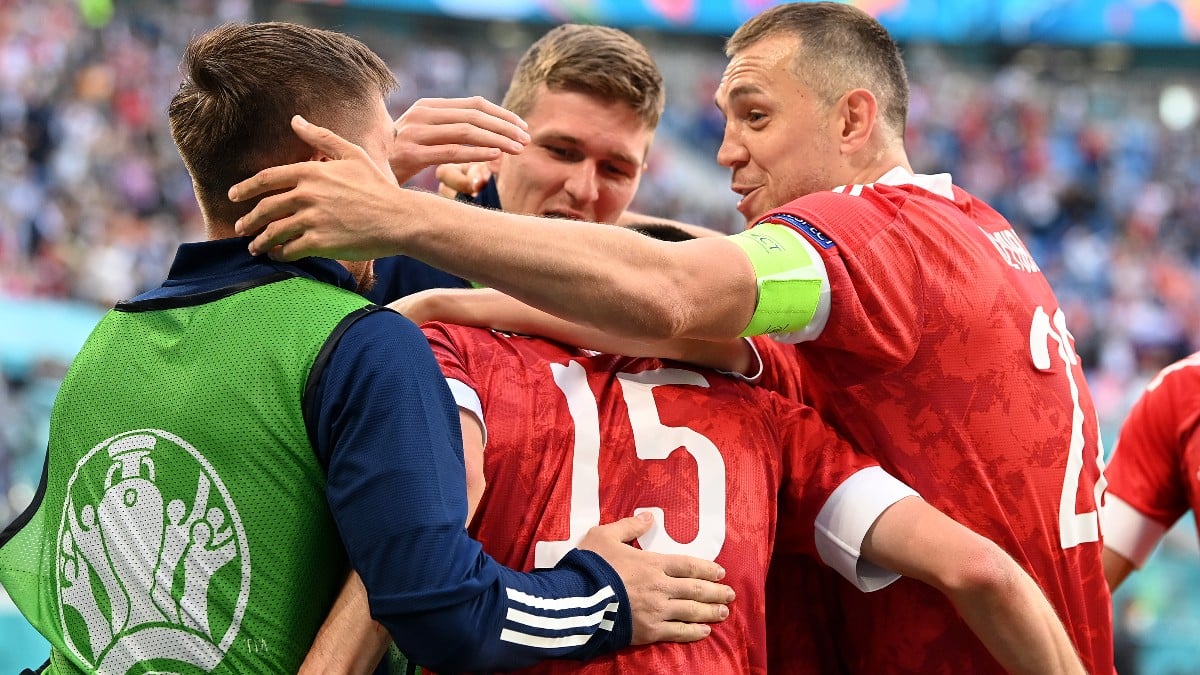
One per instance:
(998,599)
(489,308)
(594,274)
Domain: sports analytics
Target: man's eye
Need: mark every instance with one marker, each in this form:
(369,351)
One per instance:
(618,170)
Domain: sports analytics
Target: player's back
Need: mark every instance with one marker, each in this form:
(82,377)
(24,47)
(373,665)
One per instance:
(575,439)
(947,357)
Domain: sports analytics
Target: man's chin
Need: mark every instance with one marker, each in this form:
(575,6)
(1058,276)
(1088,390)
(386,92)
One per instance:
(366,283)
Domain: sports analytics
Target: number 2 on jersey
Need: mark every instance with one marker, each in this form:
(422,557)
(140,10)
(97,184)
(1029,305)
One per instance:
(1073,528)
(652,440)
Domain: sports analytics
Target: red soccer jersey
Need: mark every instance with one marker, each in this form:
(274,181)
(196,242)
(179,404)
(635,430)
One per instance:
(945,355)
(574,439)
(1154,473)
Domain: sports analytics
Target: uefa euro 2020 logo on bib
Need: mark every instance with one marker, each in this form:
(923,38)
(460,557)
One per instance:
(148,529)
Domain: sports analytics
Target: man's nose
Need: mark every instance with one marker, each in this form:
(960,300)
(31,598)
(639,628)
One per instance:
(582,185)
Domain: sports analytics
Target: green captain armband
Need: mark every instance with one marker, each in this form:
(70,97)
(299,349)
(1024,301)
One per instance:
(790,275)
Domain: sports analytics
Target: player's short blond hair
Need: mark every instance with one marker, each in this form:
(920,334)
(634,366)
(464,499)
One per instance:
(603,62)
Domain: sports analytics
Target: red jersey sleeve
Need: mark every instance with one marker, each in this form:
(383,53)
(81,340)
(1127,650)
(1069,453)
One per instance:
(875,287)
(1153,474)
(830,497)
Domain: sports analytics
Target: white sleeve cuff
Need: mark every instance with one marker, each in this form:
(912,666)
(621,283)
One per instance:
(848,514)
(467,399)
(758,366)
(1128,531)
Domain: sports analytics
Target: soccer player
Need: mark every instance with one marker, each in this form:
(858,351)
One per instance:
(217,435)
(1154,473)
(569,436)
(928,334)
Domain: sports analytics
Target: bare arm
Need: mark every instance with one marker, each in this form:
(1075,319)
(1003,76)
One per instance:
(349,642)
(1116,568)
(472,432)
(488,308)
(999,601)
(593,274)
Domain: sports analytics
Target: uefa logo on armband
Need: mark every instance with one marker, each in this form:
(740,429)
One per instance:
(148,528)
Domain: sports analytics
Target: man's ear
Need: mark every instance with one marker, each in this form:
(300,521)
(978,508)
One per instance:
(858,112)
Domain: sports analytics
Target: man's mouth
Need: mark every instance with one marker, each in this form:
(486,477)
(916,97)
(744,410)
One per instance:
(565,215)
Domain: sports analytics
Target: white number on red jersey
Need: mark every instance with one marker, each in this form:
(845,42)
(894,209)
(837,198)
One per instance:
(652,440)
(1074,528)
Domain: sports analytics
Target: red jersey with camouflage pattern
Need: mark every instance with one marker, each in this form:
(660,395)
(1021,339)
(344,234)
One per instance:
(575,438)
(941,350)
(1154,473)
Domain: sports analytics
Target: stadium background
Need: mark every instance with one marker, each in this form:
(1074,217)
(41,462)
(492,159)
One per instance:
(1076,118)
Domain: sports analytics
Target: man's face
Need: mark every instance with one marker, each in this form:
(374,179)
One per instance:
(585,160)
(780,138)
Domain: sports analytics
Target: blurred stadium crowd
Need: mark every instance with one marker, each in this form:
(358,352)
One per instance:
(1072,148)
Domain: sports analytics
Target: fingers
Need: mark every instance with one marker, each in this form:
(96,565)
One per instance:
(624,530)
(269,209)
(268,180)
(324,140)
(413,139)
(438,155)
(468,178)
(475,102)
(682,566)
(479,174)
(475,121)
(688,611)
(677,621)
(697,591)
(276,238)
(673,631)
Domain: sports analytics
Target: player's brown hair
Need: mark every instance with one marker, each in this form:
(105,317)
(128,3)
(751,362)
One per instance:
(841,48)
(596,60)
(243,83)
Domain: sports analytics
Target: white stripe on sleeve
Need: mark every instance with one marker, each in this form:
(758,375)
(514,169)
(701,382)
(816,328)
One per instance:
(466,398)
(846,517)
(1128,531)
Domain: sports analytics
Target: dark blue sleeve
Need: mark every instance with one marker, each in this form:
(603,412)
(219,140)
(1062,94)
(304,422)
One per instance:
(387,429)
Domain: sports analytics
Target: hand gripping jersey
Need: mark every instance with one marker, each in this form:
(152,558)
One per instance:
(574,439)
(1154,473)
(930,339)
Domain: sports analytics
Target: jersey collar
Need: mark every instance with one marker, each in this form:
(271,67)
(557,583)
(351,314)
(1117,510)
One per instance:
(940,184)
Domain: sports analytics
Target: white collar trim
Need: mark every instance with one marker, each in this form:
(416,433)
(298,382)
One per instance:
(939,183)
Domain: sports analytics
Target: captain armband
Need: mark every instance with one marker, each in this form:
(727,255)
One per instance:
(793,289)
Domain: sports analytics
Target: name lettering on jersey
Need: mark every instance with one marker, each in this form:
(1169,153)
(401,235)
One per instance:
(1010,247)
(800,225)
